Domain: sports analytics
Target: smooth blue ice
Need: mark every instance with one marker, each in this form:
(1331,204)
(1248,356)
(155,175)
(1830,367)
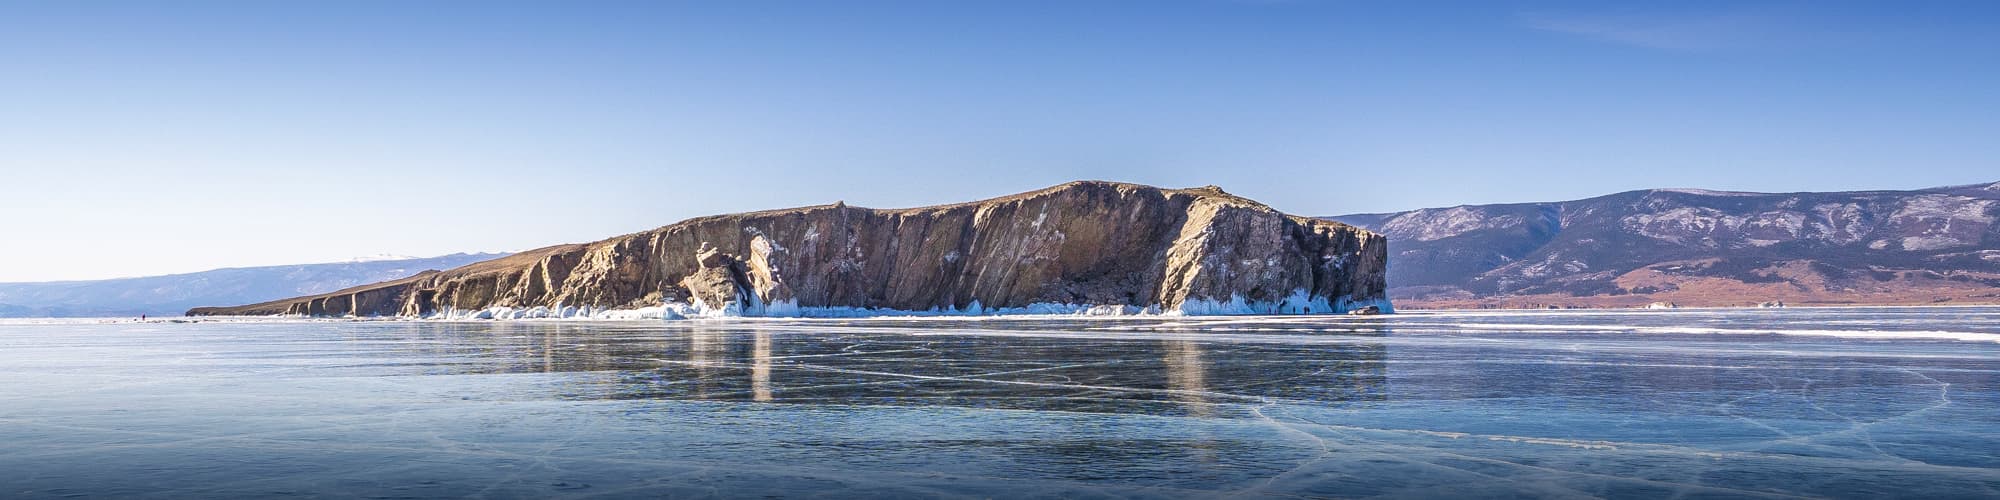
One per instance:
(1563,404)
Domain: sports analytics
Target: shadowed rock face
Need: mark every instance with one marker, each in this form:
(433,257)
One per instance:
(1096,243)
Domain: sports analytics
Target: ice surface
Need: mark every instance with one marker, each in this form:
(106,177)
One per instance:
(1682,403)
(1872,334)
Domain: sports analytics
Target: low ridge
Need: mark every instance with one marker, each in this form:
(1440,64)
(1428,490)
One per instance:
(1701,248)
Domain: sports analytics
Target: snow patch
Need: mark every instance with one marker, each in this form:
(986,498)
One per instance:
(1676,225)
(1922,243)
(1939,206)
(1792,223)
(382,257)
(1440,223)
(1706,192)
(1845,222)
(1551,265)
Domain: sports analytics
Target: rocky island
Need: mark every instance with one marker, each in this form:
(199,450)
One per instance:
(1094,247)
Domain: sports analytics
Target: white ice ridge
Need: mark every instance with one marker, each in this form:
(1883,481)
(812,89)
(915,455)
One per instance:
(1299,302)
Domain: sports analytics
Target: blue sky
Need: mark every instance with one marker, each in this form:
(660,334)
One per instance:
(153,137)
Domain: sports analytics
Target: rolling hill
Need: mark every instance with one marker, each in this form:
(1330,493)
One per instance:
(1699,248)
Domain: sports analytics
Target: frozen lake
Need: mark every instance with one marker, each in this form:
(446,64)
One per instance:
(1692,404)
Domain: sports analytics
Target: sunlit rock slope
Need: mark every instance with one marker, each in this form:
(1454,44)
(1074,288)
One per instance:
(1120,247)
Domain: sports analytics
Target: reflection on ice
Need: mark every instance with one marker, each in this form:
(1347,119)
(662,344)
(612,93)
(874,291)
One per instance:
(776,363)
(1185,377)
(1565,404)
(760,371)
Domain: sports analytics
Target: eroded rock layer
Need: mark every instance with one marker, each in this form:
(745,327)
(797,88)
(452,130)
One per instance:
(1095,243)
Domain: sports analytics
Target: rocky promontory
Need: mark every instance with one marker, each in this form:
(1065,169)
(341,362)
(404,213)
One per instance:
(1099,246)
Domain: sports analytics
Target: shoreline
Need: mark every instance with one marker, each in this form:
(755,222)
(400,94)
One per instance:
(940,317)
(1407,308)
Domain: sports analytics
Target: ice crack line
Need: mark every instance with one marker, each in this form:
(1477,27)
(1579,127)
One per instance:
(1182,392)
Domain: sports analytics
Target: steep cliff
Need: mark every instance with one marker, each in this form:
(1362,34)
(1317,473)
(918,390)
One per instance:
(1083,243)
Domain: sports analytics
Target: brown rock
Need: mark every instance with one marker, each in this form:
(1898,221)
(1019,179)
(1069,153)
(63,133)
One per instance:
(1096,243)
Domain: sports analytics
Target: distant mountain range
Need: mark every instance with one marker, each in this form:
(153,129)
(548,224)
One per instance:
(1699,248)
(171,295)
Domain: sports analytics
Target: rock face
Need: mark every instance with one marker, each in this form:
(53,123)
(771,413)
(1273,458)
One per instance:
(1701,248)
(1084,243)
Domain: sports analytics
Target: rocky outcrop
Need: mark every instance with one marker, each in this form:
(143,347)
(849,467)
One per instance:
(1084,243)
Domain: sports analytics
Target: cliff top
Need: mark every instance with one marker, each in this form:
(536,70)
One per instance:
(1210,191)
(1204,192)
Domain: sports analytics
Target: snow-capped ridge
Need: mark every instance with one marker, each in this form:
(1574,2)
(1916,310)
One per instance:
(381,257)
(1708,192)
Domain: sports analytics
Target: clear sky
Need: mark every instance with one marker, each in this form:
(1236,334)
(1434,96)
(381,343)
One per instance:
(154,137)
